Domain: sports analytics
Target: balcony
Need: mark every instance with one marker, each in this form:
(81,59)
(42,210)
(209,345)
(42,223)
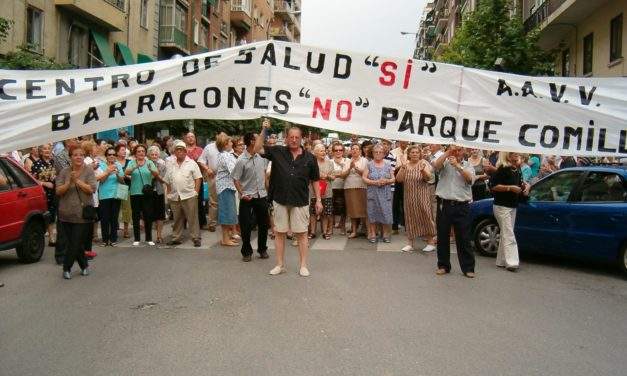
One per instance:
(282,33)
(286,10)
(109,14)
(224,29)
(540,14)
(562,16)
(241,14)
(442,19)
(172,37)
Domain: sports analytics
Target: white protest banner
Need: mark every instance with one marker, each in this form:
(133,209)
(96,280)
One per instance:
(401,99)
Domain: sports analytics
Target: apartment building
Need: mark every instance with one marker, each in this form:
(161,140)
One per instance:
(84,33)
(588,34)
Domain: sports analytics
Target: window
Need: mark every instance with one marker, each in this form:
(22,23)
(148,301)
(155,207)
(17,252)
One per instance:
(180,17)
(566,63)
(143,14)
(77,46)
(34,29)
(196,32)
(616,38)
(588,47)
(555,188)
(21,177)
(5,181)
(214,43)
(603,187)
(204,33)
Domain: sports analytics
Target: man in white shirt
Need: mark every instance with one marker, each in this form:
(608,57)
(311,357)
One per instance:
(183,181)
(207,162)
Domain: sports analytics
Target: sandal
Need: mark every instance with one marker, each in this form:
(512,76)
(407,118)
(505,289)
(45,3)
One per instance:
(311,236)
(326,236)
(372,240)
(352,235)
(387,240)
(159,240)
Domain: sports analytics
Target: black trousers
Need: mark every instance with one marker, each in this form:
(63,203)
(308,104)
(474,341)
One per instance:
(140,206)
(60,248)
(398,215)
(202,209)
(75,234)
(109,211)
(455,215)
(254,212)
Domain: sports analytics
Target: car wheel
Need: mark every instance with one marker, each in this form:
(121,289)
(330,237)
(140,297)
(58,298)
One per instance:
(32,245)
(487,237)
(622,260)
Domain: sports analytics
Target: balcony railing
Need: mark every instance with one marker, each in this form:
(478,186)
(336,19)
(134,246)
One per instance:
(282,6)
(173,35)
(117,3)
(282,32)
(241,6)
(540,14)
(224,29)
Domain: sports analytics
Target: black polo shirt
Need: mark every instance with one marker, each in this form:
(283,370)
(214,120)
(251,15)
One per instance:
(290,178)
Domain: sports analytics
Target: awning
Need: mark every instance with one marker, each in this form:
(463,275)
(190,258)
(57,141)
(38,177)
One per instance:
(141,58)
(127,54)
(104,49)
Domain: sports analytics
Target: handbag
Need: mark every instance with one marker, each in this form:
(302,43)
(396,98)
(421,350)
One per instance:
(121,192)
(147,189)
(89,211)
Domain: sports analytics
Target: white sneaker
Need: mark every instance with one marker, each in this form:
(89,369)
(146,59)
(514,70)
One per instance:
(429,248)
(407,248)
(152,244)
(304,272)
(135,244)
(278,270)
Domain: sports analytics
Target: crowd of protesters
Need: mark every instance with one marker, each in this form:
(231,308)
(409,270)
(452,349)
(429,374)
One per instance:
(371,188)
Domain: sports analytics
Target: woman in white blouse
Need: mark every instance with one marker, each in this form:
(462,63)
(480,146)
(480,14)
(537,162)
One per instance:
(225,188)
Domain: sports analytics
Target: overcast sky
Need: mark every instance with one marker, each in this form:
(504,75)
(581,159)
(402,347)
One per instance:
(366,26)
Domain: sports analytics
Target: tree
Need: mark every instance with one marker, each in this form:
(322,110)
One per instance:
(492,32)
(5,26)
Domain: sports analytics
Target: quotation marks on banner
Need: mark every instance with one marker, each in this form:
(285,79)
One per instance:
(372,63)
(304,93)
(361,103)
(433,68)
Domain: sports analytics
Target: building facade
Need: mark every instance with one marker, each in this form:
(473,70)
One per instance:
(588,35)
(84,33)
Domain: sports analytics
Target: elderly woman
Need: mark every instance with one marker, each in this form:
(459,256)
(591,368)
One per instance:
(75,186)
(43,170)
(480,186)
(340,170)
(111,174)
(507,186)
(142,172)
(158,199)
(32,157)
(125,205)
(325,167)
(416,176)
(379,175)
(90,149)
(355,189)
(225,188)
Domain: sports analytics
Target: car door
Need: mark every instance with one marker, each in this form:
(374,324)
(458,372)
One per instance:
(598,217)
(541,221)
(10,222)
(31,193)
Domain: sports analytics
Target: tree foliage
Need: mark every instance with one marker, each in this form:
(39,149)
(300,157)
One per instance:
(5,26)
(491,32)
(23,58)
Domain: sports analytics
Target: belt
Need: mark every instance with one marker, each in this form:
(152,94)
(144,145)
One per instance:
(453,202)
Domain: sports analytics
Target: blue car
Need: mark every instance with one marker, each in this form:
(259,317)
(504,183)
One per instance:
(576,212)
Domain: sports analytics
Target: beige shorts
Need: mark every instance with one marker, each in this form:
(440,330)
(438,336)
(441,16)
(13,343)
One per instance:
(290,218)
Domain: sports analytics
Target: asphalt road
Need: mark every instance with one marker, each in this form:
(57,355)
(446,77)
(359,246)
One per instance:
(364,311)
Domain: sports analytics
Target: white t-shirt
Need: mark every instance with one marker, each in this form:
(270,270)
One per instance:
(98,171)
(209,156)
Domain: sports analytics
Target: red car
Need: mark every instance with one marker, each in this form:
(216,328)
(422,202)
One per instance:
(23,212)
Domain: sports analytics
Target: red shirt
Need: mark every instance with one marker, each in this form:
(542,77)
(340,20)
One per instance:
(194,152)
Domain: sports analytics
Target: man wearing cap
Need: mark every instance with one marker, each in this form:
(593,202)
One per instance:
(183,181)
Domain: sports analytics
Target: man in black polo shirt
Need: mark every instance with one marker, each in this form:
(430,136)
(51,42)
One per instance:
(293,169)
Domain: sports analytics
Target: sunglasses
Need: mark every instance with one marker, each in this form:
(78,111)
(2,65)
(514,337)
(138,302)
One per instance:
(110,154)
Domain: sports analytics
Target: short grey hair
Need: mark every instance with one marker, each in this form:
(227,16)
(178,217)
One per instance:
(153,148)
